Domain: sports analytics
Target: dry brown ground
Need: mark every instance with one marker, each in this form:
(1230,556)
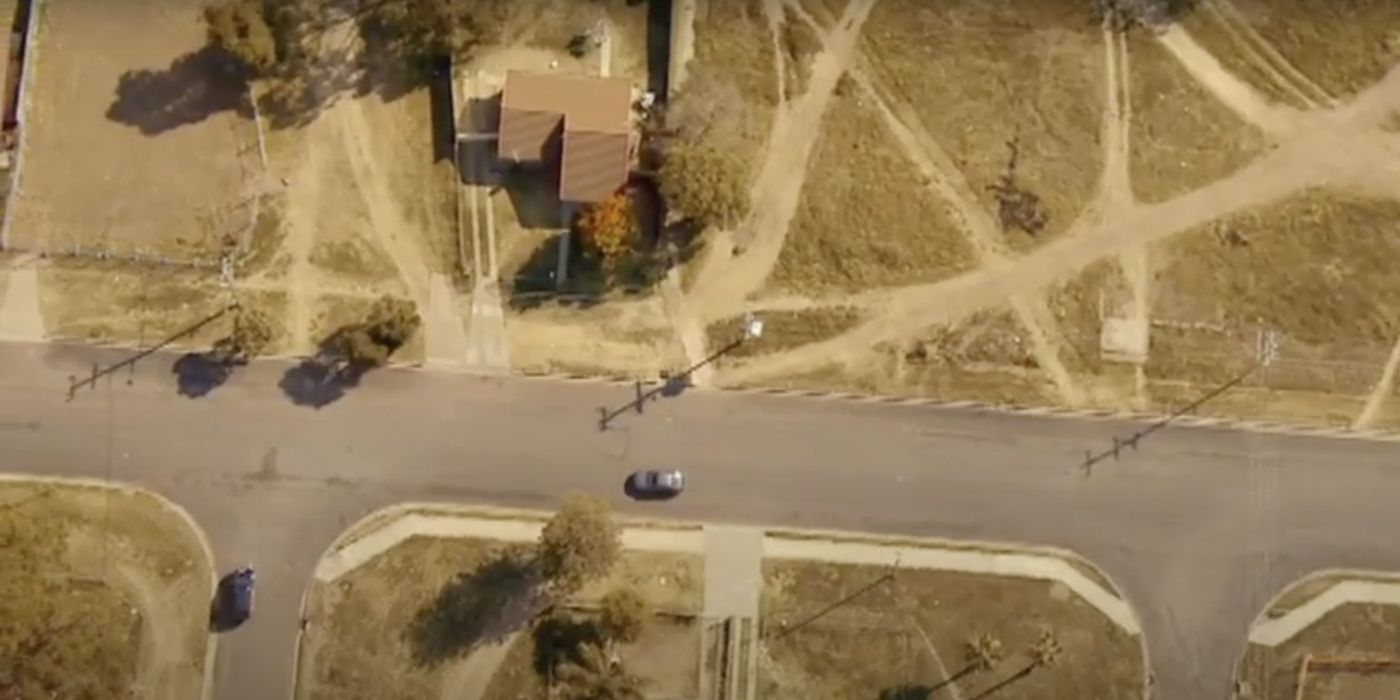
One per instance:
(904,624)
(982,74)
(1343,46)
(865,219)
(987,357)
(359,645)
(732,72)
(1316,269)
(159,162)
(113,302)
(141,576)
(1351,629)
(1182,137)
(782,330)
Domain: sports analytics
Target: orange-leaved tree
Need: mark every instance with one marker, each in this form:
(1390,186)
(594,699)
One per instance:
(609,228)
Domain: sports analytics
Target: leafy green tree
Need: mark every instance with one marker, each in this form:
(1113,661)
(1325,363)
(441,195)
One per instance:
(623,613)
(241,28)
(597,675)
(580,543)
(704,182)
(55,641)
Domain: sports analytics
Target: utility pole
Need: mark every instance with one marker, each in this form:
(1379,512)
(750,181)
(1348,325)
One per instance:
(753,329)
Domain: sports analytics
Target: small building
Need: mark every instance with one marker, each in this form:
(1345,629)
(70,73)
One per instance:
(579,124)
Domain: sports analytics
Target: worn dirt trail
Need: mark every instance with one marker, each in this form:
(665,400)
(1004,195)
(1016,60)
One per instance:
(1241,97)
(725,281)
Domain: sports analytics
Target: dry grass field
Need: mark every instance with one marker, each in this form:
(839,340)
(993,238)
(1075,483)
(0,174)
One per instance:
(150,147)
(865,219)
(984,75)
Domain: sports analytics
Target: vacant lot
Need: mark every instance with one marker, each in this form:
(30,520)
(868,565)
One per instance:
(1351,630)
(121,303)
(1027,72)
(134,585)
(913,627)
(865,219)
(1342,46)
(731,86)
(149,147)
(364,640)
(1313,269)
(1182,136)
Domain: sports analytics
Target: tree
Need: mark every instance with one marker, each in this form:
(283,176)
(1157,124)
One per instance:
(241,28)
(389,324)
(1120,15)
(433,27)
(580,543)
(609,228)
(597,675)
(56,641)
(392,322)
(704,182)
(1043,653)
(982,652)
(251,335)
(622,616)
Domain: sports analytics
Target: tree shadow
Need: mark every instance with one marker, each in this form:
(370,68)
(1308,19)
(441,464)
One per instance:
(191,89)
(906,692)
(199,373)
(323,379)
(560,638)
(476,607)
(317,382)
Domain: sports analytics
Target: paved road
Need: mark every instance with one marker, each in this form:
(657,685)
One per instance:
(1199,528)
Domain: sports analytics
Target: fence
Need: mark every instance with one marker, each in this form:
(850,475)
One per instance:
(1334,663)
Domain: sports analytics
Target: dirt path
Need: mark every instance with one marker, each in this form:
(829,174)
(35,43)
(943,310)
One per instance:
(725,281)
(1381,392)
(1265,57)
(1239,96)
(20,315)
(948,184)
(303,204)
(1343,149)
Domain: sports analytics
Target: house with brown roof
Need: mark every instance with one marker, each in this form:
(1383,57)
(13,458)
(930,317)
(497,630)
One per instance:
(579,124)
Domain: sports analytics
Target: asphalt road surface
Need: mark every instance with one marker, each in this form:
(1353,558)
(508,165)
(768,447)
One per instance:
(1198,527)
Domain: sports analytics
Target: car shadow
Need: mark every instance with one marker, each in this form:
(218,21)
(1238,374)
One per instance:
(317,382)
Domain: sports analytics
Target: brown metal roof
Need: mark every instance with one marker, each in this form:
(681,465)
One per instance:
(525,137)
(594,166)
(593,113)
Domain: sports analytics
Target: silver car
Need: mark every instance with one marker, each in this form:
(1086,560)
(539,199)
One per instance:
(654,483)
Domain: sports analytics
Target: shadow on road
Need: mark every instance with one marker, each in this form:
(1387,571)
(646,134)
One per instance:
(318,381)
(193,88)
(197,374)
(481,606)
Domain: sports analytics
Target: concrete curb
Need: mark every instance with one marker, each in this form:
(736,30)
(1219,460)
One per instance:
(1271,632)
(785,545)
(211,649)
(518,525)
